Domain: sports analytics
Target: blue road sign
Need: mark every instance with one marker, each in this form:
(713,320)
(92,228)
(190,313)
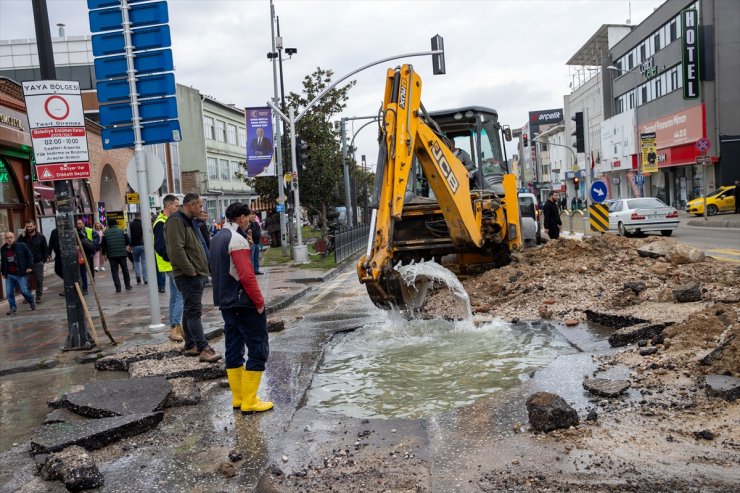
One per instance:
(280,207)
(639,180)
(147,14)
(148,62)
(598,191)
(151,133)
(98,4)
(149,110)
(149,86)
(148,38)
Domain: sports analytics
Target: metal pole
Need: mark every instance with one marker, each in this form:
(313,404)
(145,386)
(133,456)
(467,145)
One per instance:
(278,139)
(63,199)
(301,253)
(704,171)
(587,163)
(345,167)
(141,174)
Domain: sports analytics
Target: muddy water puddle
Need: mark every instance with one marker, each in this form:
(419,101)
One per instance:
(419,368)
(24,397)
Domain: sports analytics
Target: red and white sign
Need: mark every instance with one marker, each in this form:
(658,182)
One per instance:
(682,127)
(57,124)
(71,171)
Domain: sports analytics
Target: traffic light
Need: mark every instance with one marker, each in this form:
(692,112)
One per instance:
(302,156)
(579,143)
(525,140)
(576,182)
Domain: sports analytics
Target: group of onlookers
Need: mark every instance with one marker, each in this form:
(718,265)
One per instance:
(187,254)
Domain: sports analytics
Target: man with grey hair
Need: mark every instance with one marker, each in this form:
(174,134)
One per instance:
(190,270)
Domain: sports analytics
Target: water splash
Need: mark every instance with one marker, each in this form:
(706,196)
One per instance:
(419,277)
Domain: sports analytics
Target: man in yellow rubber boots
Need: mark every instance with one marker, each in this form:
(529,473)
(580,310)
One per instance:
(237,294)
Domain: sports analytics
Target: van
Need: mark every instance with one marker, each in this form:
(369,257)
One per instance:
(529,212)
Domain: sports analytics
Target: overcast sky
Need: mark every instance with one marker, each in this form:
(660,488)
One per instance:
(508,55)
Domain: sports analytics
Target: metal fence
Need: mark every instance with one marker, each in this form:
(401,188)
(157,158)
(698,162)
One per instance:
(350,241)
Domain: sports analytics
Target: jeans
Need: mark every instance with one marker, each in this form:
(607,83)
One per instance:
(176,303)
(139,258)
(116,262)
(38,274)
(13,280)
(256,256)
(192,296)
(244,326)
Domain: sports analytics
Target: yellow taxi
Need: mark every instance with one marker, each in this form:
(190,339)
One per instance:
(721,200)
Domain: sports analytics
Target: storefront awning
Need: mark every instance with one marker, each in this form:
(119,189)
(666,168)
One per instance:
(44,192)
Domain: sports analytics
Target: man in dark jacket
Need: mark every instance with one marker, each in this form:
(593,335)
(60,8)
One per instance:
(237,294)
(16,262)
(190,270)
(40,250)
(137,248)
(552,217)
(256,228)
(116,246)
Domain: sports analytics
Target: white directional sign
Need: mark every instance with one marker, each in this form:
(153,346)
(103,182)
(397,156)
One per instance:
(57,124)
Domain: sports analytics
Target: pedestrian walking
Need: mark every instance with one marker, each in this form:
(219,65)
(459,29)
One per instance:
(116,246)
(256,228)
(36,242)
(16,262)
(137,249)
(99,259)
(552,217)
(238,296)
(190,270)
(170,204)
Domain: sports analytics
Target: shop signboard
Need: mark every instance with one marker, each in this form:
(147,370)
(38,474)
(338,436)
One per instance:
(690,50)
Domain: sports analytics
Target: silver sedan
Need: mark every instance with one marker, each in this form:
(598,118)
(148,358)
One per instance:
(642,215)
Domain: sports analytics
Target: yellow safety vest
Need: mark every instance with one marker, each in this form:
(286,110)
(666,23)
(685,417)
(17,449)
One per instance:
(162,264)
(89,233)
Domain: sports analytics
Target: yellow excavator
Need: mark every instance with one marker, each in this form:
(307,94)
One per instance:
(427,204)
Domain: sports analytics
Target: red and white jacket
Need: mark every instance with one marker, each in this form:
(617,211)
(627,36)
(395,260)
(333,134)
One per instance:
(234,282)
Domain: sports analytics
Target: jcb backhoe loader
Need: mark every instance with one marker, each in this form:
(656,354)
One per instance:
(427,205)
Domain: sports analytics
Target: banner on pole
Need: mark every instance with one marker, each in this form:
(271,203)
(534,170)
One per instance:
(260,150)
(649,153)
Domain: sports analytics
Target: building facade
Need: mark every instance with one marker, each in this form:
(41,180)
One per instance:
(214,150)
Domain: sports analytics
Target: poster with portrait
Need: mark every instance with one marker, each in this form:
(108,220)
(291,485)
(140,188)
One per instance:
(649,150)
(260,150)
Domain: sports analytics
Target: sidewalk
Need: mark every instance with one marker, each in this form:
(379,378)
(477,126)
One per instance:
(726,220)
(33,339)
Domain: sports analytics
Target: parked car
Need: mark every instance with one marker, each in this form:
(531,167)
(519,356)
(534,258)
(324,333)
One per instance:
(529,211)
(721,200)
(642,215)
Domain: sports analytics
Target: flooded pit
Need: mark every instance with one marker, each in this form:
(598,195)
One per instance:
(419,368)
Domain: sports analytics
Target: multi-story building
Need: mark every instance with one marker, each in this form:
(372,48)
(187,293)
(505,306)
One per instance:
(669,79)
(213,151)
(675,76)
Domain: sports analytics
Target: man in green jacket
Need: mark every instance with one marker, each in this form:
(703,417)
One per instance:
(116,245)
(190,269)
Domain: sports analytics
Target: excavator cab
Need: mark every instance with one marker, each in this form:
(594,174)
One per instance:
(428,203)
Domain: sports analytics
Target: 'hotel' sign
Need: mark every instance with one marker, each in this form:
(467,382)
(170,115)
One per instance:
(690,44)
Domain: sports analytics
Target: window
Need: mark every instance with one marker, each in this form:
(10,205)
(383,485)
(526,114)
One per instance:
(225,176)
(672,31)
(231,134)
(234,170)
(242,137)
(212,168)
(220,131)
(208,132)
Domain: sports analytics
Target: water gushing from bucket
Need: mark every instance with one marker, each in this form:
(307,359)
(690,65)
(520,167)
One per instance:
(419,277)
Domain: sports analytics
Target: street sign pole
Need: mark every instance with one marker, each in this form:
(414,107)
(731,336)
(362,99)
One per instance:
(64,200)
(704,171)
(146,223)
(278,139)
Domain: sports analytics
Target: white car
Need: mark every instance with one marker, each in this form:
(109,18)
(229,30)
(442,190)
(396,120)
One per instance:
(642,215)
(530,216)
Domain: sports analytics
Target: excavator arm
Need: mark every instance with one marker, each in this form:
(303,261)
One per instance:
(473,224)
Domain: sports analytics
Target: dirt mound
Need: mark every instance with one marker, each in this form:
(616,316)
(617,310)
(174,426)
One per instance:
(564,278)
(708,340)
